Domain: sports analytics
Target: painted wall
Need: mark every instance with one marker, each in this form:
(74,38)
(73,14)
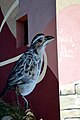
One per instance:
(68,34)
(44,100)
(68,41)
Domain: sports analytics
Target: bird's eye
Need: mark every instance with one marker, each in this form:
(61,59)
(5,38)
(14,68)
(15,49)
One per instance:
(40,40)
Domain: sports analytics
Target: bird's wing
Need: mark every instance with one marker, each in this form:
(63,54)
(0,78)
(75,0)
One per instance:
(20,69)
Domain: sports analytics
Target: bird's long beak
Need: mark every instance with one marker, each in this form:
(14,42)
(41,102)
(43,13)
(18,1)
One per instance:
(49,39)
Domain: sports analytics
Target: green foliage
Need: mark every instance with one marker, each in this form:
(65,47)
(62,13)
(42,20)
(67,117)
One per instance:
(15,112)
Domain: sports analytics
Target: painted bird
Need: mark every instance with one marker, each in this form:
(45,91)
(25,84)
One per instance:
(24,75)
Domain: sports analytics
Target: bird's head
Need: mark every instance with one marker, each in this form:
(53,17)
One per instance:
(40,41)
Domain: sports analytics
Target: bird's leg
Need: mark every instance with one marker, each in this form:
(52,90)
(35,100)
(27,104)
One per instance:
(17,100)
(26,102)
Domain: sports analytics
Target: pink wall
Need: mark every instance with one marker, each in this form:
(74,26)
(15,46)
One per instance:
(69,44)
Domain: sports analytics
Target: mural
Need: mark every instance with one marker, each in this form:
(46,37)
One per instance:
(44,100)
(25,74)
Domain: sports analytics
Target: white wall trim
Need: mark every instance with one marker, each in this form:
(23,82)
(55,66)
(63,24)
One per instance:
(8,13)
(11,60)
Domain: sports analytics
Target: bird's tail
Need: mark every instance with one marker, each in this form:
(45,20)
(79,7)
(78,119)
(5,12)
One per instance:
(4,91)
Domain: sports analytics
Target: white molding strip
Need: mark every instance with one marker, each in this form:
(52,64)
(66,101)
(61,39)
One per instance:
(11,60)
(44,68)
(8,13)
